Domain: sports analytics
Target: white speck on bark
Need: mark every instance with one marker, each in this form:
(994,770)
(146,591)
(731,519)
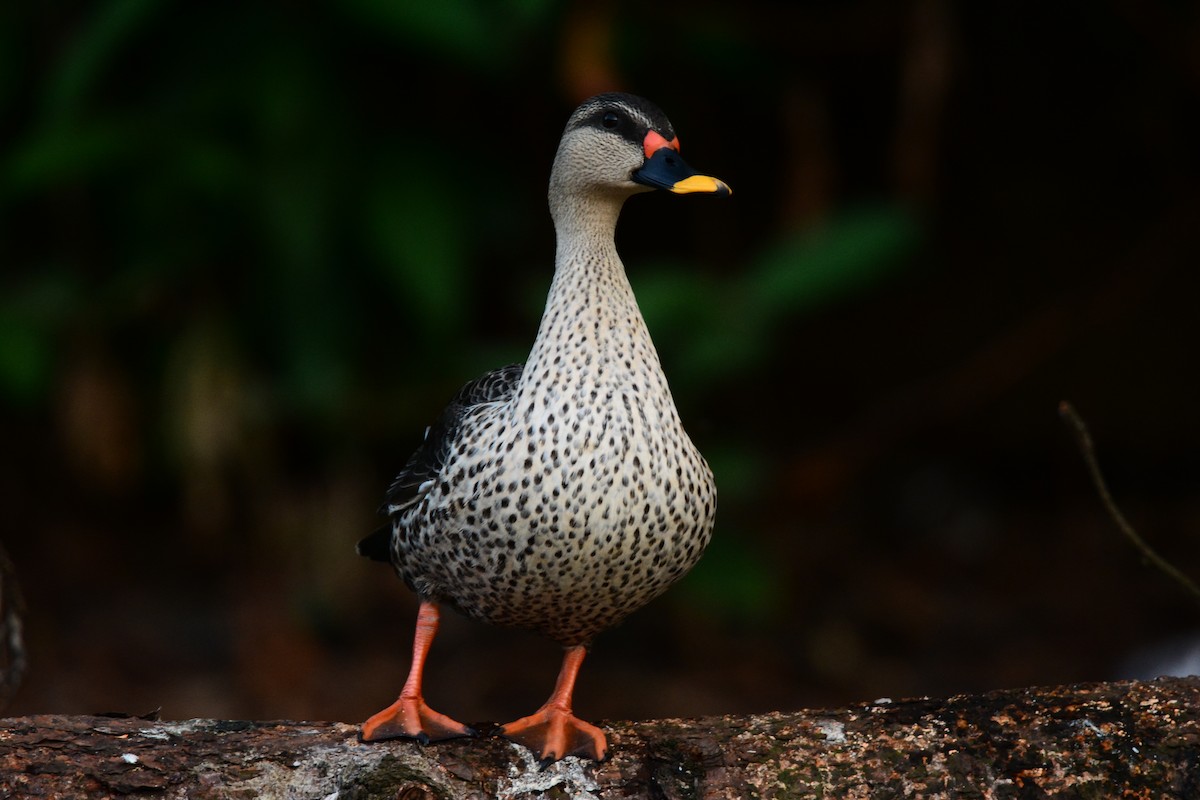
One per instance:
(526,781)
(1087,724)
(833,730)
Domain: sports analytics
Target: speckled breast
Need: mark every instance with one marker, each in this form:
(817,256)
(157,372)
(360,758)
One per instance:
(561,517)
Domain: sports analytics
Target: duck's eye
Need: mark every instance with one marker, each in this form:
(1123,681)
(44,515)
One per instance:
(610,120)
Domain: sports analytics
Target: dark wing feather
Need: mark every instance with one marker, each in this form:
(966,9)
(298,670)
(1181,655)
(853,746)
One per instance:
(427,462)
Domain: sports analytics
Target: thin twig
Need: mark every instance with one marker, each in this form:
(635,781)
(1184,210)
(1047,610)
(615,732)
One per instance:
(1084,439)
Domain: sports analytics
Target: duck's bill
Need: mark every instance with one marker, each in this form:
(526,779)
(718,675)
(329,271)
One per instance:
(666,170)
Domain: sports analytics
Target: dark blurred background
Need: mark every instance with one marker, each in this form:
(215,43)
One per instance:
(247,251)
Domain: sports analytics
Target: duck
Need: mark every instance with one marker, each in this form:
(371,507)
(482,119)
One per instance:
(562,494)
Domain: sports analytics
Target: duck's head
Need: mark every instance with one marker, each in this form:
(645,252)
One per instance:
(620,144)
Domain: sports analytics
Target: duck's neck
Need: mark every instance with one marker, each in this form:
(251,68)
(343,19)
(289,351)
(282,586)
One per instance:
(588,273)
(592,331)
(585,223)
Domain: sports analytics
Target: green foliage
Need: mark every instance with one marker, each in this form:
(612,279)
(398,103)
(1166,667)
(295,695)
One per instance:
(68,154)
(717,327)
(25,359)
(814,268)
(476,32)
(735,581)
(84,62)
(31,317)
(420,236)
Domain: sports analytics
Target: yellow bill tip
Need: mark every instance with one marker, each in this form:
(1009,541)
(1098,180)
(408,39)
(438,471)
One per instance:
(702,183)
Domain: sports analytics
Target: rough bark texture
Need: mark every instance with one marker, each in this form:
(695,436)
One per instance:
(1123,740)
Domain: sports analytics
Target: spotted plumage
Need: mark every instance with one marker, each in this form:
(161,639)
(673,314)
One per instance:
(563,495)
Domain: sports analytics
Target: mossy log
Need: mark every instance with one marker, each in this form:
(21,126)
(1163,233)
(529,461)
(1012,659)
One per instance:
(1104,740)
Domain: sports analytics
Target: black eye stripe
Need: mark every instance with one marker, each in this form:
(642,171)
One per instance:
(618,121)
(637,116)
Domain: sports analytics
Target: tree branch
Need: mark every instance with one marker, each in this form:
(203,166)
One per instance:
(1100,740)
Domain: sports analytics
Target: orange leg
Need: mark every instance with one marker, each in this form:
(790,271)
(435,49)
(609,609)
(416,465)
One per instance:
(552,731)
(409,717)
